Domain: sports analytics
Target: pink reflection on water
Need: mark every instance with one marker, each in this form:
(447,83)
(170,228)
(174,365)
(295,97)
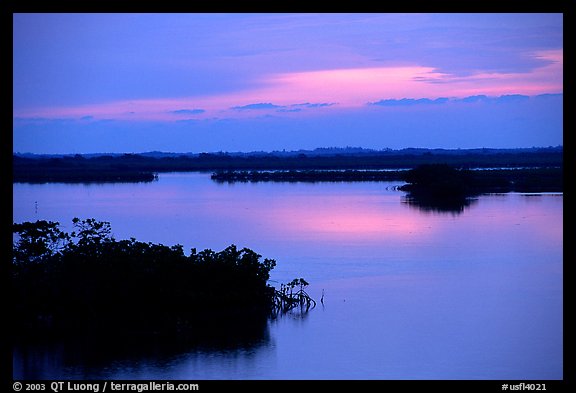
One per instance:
(344,217)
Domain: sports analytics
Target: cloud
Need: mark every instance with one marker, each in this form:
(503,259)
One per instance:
(258,106)
(548,96)
(314,105)
(286,110)
(477,98)
(290,108)
(503,99)
(31,119)
(409,101)
(512,98)
(187,111)
(189,121)
(305,105)
(51,120)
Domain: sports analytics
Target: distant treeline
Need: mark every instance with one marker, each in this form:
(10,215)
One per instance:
(310,176)
(77,169)
(134,167)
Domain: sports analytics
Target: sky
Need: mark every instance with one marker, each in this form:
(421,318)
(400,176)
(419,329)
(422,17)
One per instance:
(93,83)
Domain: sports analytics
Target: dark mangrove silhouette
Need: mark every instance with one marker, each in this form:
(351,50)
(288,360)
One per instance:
(292,296)
(87,282)
(443,188)
(439,188)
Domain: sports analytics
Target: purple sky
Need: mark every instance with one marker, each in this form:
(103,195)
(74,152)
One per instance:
(86,83)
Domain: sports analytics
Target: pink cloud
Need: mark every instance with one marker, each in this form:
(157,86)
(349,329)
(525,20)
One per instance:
(545,79)
(349,87)
(357,86)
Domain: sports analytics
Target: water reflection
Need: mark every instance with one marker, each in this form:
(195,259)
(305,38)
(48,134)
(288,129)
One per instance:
(454,206)
(341,217)
(300,313)
(468,292)
(90,356)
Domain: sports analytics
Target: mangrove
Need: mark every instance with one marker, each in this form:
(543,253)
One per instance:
(443,188)
(87,281)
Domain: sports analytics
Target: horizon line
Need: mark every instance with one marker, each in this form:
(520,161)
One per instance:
(284,151)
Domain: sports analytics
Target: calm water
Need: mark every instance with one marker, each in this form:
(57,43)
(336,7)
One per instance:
(408,293)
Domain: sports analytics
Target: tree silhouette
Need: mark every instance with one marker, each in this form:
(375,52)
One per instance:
(439,188)
(87,280)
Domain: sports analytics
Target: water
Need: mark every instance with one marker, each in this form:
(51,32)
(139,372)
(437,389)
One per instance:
(409,293)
